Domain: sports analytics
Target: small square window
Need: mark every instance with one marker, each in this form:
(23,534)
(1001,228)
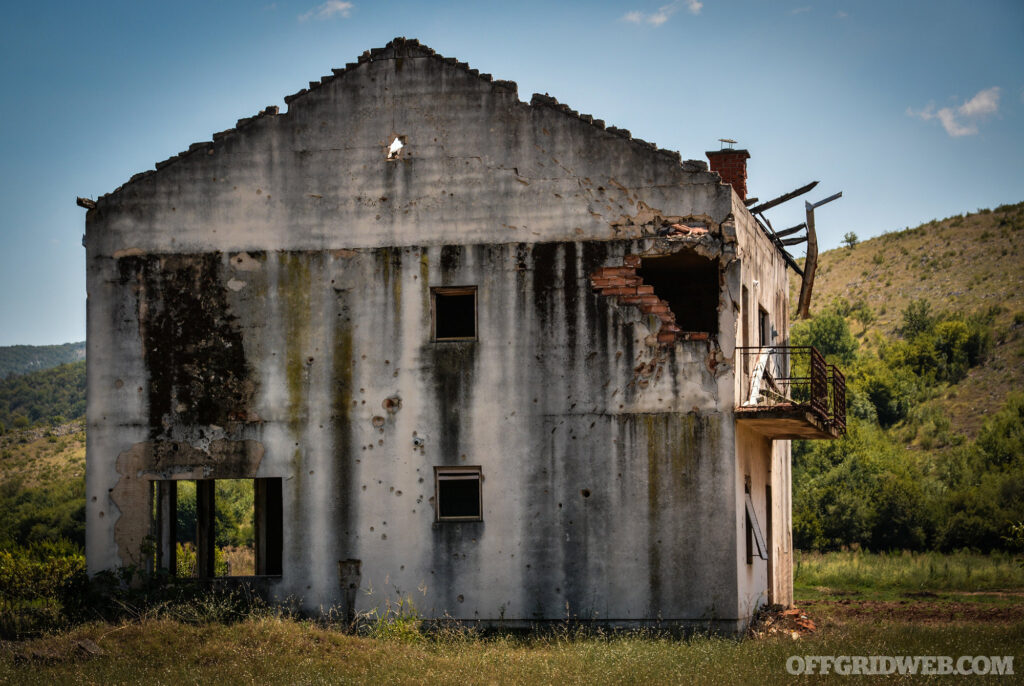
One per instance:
(454,313)
(458,494)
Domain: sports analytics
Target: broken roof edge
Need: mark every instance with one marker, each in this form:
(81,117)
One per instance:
(401,48)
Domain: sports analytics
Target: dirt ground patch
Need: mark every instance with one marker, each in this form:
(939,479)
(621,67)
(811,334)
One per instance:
(918,610)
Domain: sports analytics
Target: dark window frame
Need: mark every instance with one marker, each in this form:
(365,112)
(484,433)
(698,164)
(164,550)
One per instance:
(453,291)
(466,473)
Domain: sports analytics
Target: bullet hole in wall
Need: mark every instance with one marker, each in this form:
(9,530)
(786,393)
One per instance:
(395,149)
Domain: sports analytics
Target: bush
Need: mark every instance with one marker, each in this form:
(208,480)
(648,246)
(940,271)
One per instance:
(860,490)
(917,319)
(829,333)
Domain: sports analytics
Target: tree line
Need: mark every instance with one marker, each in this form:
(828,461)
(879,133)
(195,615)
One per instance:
(871,489)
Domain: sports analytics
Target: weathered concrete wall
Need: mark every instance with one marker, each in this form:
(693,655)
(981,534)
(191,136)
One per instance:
(767,463)
(479,166)
(261,308)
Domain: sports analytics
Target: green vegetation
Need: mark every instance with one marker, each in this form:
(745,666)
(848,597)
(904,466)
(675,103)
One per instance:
(42,488)
(44,398)
(964,265)
(283,651)
(36,514)
(934,456)
(909,572)
(872,490)
(222,638)
(21,359)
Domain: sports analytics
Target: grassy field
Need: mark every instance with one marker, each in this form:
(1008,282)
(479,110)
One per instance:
(862,605)
(905,572)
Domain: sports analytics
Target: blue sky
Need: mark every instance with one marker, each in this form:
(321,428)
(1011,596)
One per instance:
(914,109)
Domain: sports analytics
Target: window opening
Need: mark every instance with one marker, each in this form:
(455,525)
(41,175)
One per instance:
(764,328)
(455,313)
(745,317)
(458,493)
(755,539)
(689,284)
(218,527)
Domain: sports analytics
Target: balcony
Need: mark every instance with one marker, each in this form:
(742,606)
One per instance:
(790,392)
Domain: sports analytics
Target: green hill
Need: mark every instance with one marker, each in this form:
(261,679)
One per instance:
(48,397)
(962,265)
(21,359)
(928,326)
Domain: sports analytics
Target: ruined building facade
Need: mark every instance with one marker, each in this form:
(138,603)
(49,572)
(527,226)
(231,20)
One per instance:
(473,350)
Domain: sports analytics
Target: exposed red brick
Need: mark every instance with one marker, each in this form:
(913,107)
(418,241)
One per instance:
(628,288)
(731,165)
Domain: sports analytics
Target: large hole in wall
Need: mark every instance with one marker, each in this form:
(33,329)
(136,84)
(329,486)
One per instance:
(689,284)
(218,527)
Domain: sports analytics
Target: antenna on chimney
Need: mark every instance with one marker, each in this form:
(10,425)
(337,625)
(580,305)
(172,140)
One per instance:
(726,141)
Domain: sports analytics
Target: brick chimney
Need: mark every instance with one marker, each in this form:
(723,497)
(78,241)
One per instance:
(731,165)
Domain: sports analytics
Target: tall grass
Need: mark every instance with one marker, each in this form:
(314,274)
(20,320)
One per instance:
(930,571)
(273,650)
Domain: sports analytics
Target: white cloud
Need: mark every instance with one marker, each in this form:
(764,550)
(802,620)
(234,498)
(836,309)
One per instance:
(985,102)
(963,120)
(952,126)
(663,13)
(329,9)
(800,10)
(841,15)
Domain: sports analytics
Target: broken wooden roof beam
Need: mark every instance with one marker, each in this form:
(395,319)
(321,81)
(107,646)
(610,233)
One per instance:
(775,202)
(791,230)
(778,243)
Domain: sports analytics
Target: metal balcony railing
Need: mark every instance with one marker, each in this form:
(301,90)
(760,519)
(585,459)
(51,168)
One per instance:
(798,377)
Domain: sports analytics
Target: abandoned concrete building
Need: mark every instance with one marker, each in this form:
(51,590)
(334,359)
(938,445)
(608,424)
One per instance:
(493,355)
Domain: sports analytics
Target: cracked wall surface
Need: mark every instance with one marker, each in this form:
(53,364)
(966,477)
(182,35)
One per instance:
(261,307)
